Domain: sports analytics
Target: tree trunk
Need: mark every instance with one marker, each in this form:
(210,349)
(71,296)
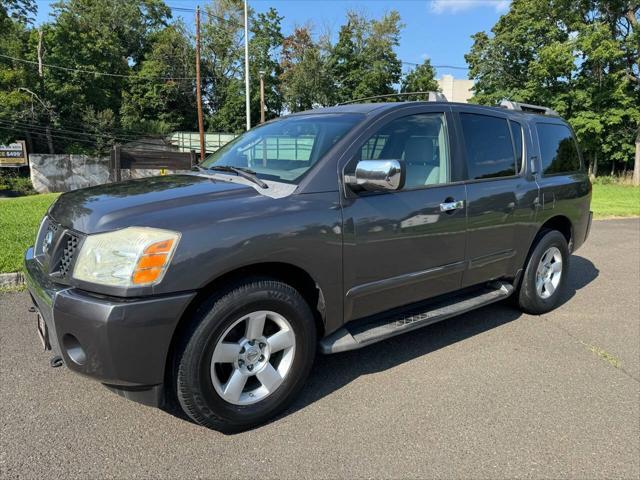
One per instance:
(613,167)
(636,165)
(595,164)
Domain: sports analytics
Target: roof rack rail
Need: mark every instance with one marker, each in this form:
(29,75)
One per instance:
(526,107)
(433,97)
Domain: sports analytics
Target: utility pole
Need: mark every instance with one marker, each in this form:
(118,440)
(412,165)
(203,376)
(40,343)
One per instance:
(198,86)
(262,72)
(47,130)
(246,64)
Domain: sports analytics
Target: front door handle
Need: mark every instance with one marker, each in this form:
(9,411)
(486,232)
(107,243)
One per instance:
(451,206)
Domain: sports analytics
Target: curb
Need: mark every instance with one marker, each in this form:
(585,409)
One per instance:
(13,279)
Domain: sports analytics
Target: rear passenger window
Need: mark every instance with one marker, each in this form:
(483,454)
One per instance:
(488,146)
(518,143)
(558,149)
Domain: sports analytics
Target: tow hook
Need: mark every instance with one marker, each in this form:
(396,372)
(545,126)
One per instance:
(56,361)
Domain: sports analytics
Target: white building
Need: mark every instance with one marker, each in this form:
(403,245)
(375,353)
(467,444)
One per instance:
(456,89)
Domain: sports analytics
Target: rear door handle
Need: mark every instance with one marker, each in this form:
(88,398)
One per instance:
(450,206)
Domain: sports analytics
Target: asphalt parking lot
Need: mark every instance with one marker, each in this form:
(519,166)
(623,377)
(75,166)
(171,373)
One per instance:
(491,394)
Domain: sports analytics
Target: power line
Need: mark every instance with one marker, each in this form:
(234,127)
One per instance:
(239,25)
(91,72)
(43,134)
(119,75)
(92,137)
(122,133)
(208,14)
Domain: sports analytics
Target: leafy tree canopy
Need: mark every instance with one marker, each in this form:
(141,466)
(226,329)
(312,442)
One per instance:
(580,58)
(421,79)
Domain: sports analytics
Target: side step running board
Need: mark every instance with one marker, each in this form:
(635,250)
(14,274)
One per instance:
(367,331)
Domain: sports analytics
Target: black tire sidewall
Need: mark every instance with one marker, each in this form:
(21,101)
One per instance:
(195,390)
(529,299)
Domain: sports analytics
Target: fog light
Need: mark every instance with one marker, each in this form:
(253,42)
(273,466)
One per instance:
(74,349)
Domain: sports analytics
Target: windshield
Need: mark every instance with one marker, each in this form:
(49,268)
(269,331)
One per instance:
(284,150)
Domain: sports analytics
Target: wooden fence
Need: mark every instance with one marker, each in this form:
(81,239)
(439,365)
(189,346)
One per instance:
(138,160)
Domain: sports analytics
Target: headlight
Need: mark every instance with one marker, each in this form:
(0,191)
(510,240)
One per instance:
(132,257)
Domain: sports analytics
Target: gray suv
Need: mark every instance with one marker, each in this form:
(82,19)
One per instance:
(329,229)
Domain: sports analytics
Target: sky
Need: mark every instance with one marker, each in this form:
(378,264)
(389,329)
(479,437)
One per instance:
(436,29)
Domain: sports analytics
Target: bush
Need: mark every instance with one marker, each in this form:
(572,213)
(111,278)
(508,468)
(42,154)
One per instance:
(17,181)
(626,179)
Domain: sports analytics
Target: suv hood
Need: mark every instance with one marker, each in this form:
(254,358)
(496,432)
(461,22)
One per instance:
(163,202)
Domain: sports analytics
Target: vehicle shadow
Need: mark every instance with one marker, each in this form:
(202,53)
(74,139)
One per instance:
(332,372)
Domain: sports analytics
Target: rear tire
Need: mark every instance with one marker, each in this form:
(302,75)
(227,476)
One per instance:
(545,275)
(232,371)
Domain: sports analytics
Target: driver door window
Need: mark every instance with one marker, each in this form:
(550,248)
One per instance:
(420,141)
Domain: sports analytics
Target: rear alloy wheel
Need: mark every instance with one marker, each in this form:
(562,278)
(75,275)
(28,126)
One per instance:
(544,279)
(549,273)
(245,355)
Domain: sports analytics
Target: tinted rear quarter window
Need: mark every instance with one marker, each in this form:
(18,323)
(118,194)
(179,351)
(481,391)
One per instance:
(518,143)
(488,146)
(558,150)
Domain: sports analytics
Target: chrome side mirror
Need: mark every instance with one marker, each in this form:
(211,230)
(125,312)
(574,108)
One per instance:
(375,175)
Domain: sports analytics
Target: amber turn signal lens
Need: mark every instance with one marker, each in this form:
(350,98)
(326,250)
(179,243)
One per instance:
(149,261)
(147,275)
(152,262)
(163,246)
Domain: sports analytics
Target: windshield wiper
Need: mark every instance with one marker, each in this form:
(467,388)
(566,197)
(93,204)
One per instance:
(240,171)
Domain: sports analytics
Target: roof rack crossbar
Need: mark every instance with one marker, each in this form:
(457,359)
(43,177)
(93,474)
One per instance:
(526,107)
(432,97)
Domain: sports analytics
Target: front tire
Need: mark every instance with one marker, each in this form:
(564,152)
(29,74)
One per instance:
(246,356)
(545,276)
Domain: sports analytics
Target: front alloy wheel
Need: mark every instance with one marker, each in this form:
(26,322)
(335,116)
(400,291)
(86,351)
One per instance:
(244,355)
(253,357)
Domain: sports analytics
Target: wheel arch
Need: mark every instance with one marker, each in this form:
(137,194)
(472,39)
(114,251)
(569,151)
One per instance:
(287,273)
(562,224)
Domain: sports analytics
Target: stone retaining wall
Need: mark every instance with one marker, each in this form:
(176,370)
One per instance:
(63,173)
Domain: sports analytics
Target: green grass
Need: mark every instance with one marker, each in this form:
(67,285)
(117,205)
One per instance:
(13,288)
(615,201)
(19,221)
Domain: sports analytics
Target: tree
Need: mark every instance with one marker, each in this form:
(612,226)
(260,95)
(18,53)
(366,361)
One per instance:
(421,79)
(222,66)
(580,58)
(65,107)
(160,95)
(363,62)
(105,36)
(19,10)
(17,105)
(305,83)
(264,49)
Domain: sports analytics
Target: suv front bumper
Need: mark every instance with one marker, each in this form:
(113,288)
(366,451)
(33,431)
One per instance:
(120,342)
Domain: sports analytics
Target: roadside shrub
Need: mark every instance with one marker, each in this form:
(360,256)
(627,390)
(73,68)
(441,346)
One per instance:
(626,179)
(16,181)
